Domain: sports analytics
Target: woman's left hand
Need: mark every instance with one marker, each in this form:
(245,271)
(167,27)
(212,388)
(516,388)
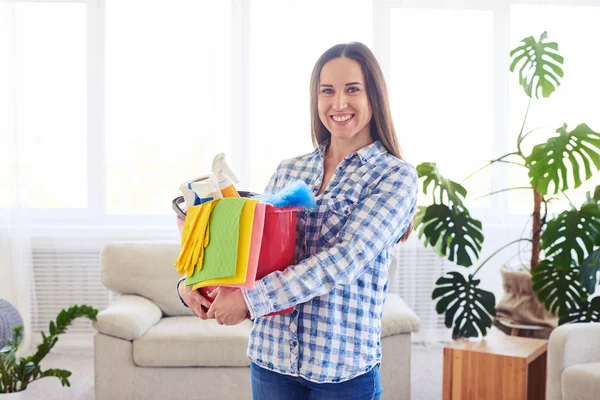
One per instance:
(228,307)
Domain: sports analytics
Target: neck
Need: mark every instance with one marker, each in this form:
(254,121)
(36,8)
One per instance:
(340,149)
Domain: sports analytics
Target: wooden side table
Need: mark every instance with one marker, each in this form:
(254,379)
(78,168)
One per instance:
(495,368)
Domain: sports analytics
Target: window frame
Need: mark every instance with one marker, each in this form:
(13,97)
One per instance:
(95,213)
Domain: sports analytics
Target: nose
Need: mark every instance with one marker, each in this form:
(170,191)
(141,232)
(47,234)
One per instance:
(340,101)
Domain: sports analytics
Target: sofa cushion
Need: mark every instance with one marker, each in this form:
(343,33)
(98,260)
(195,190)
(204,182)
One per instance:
(398,317)
(128,317)
(144,269)
(192,342)
(581,381)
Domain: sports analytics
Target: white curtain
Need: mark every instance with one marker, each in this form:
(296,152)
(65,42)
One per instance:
(16,283)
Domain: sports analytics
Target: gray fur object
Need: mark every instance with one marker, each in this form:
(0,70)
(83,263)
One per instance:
(9,318)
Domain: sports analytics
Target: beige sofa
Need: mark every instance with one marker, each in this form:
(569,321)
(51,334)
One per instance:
(149,346)
(574,362)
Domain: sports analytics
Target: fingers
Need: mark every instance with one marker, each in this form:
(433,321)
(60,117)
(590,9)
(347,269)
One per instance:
(211,313)
(195,301)
(199,298)
(197,308)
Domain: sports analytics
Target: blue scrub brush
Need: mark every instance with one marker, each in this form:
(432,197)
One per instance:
(296,194)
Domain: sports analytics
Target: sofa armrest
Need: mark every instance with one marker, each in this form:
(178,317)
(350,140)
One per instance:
(569,345)
(398,317)
(129,317)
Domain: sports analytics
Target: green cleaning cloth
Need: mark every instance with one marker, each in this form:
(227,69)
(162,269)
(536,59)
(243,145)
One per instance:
(220,256)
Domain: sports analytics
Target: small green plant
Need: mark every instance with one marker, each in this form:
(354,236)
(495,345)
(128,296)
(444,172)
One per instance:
(17,374)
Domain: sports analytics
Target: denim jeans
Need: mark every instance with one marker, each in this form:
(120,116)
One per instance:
(268,385)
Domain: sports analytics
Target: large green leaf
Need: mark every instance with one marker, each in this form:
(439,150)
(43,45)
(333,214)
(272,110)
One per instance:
(475,306)
(570,237)
(585,312)
(588,273)
(452,232)
(454,192)
(558,288)
(540,65)
(550,162)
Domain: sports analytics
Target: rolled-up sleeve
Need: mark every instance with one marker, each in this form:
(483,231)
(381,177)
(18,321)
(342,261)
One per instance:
(376,223)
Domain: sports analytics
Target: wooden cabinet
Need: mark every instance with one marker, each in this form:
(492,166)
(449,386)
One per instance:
(495,368)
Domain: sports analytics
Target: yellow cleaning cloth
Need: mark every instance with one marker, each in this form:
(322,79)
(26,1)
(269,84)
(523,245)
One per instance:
(194,238)
(246,223)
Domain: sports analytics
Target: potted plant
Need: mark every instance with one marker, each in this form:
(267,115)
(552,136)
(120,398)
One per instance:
(565,255)
(17,373)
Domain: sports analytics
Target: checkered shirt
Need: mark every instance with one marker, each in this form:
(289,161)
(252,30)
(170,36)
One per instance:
(339,287)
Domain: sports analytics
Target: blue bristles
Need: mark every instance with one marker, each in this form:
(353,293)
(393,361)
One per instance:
(296,194)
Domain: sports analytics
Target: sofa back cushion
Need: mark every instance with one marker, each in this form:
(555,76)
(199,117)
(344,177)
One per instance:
(144,269)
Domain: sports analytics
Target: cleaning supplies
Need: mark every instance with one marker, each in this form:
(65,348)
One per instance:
(221,178)
(204,191)
(220,256)
(194,238)
(188,194)
(243,250)
(225,176)
(191,198)
(296,194)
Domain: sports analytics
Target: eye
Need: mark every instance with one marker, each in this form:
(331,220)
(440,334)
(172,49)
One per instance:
(327,91)
(353,89)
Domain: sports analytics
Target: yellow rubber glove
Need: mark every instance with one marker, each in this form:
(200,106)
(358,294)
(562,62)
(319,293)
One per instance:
(196,238)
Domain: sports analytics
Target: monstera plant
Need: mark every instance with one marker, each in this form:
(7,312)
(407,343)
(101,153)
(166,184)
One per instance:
(565,256)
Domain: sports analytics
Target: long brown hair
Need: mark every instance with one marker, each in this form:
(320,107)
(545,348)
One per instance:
(381,126)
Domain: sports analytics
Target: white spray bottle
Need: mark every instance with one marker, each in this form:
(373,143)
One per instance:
(225,176)
(205,191)
(191,197)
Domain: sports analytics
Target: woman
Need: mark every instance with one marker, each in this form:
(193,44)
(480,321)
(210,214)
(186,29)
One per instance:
(329,346)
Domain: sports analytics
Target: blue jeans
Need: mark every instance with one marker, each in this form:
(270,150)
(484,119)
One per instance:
(268,385)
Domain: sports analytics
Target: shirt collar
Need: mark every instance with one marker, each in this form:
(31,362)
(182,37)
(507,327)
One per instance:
(364,154)
(370,151)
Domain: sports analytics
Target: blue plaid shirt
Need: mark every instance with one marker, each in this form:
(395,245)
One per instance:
(339,287)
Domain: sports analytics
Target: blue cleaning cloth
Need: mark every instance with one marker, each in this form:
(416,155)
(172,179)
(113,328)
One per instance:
(296,194)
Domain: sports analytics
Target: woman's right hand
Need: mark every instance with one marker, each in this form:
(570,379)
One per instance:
(194,299)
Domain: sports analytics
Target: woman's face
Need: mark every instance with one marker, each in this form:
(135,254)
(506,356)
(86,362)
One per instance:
(343,104)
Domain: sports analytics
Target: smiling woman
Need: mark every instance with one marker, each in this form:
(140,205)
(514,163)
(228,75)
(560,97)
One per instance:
(329,346)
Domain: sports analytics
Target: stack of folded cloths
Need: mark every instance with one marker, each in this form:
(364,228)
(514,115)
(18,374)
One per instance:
(220,243)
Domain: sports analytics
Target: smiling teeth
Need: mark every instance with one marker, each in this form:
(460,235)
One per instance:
(341,119)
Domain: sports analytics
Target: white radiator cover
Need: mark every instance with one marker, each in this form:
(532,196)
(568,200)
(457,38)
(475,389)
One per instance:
(66,272)
(413,274)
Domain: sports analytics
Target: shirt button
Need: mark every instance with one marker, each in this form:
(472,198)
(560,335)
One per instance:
(294,343)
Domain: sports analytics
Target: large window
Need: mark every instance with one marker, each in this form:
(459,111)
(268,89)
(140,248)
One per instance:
(577,33)
(441,89)
(106,106)
(168,98)
(286,39)
(45,102)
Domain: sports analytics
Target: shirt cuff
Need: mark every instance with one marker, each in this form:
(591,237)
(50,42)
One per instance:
(177,288)
(257,300)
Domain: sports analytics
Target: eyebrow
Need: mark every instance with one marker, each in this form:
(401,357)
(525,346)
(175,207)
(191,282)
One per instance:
(347,84)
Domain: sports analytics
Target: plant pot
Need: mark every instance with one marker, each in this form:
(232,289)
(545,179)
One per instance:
(520,305)
(14,396)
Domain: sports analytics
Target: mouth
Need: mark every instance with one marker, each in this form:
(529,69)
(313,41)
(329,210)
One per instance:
(342,119)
